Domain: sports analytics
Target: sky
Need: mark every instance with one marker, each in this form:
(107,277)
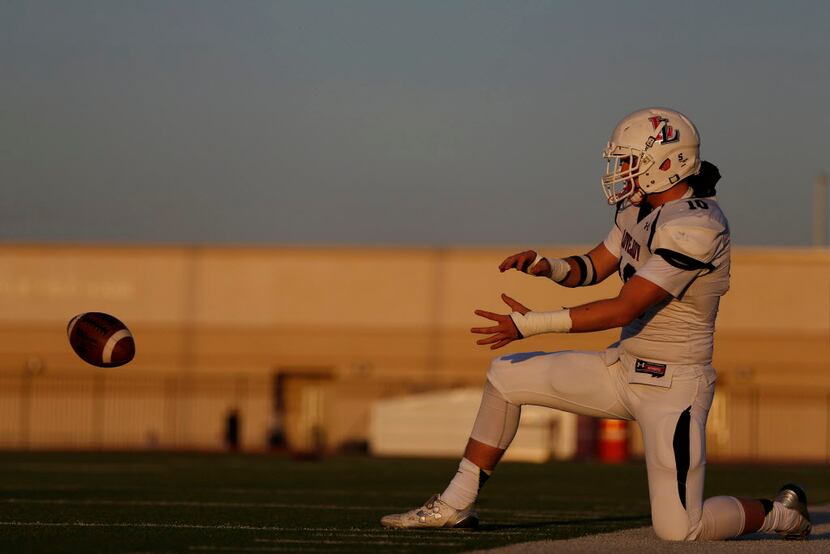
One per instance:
(394,123)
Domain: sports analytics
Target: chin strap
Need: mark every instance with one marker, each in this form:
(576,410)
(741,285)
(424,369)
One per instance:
(637,197)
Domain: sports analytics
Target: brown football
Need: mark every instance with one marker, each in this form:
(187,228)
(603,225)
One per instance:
(100,339)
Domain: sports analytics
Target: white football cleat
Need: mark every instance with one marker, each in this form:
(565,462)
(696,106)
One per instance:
(434,514)
(793,497)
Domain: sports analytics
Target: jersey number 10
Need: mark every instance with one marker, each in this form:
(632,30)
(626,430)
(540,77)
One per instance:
(695,204)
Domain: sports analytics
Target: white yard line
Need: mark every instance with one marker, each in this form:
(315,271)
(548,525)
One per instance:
(186,503)
(148,525)
(82,468)
(376,537)
(524,515)
(208,548)
(330,530)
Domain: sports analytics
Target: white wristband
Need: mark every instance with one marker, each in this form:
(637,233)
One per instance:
(559,268)
(536,323)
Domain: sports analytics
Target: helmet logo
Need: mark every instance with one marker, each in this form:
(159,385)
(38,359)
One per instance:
(667,134)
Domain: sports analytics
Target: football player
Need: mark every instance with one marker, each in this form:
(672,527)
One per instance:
(670,246)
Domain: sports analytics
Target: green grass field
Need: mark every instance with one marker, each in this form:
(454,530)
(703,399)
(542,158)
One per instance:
(123,502)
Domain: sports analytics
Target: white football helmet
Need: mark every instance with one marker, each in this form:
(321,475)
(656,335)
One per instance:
(657,146)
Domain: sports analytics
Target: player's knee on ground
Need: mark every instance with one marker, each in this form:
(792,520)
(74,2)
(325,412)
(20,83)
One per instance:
(723,518)
(670,526)
(675,455)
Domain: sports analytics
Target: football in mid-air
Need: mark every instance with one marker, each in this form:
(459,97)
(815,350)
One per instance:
(100,339)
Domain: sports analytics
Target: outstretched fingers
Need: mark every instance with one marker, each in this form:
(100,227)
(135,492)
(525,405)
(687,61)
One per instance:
(514,304)
(489,315)
(503,342)
(486,330)
(496,340)
(498,337)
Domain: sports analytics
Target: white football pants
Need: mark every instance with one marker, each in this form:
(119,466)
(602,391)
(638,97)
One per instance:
(672,421)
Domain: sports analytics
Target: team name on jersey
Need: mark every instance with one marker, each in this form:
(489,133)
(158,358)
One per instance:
(631,246)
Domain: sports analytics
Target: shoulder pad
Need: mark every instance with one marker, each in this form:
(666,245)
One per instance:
(688,242)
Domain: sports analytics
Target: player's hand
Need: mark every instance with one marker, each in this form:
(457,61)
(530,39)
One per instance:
(523,261)
(505,331)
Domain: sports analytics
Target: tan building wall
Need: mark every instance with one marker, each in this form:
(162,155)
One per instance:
(215,325)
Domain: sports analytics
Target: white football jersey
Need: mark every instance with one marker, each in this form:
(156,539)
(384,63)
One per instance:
(682,247)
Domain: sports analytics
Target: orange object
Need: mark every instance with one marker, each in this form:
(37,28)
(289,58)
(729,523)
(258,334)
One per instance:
(612,444)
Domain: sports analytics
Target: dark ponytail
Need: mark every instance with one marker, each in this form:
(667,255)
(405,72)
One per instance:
(703,184)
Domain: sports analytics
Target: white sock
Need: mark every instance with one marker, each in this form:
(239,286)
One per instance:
(780,518)
(463,489)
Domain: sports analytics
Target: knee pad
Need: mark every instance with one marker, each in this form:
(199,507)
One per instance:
(497,420)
